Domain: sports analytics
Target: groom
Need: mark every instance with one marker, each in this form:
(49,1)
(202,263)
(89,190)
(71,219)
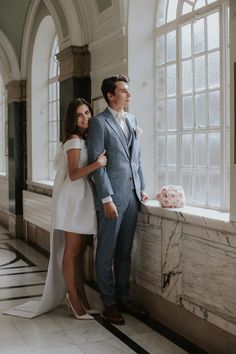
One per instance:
(119,189)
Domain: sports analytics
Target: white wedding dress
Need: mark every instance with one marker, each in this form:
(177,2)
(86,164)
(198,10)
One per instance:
(73,211)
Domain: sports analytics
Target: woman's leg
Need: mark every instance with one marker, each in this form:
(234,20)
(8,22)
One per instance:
(80,279)
(74,247)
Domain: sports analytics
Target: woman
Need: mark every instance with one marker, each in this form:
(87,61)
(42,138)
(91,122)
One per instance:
(73,217)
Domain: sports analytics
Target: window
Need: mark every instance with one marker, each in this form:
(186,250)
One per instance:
(53,102)
(192,99)
(44,103)
(2,127)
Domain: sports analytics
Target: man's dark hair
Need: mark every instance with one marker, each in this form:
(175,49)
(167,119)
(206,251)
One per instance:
(109,85)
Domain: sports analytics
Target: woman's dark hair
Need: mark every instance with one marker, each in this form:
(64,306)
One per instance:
(109,85)
(70,126)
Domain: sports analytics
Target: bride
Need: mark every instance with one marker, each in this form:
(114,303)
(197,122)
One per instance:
(73,217)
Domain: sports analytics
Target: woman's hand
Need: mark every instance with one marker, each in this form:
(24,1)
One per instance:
(102,159)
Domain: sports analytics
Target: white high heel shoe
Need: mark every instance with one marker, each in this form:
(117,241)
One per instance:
(86,316)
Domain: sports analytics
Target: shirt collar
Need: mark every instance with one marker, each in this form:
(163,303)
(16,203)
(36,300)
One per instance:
(113,112)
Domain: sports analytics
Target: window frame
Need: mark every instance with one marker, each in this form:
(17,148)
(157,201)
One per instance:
(177,25)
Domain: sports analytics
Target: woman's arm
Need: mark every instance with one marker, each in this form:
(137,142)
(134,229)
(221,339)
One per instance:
(75,172)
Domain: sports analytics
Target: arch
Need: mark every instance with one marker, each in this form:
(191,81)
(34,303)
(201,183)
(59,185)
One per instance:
(9,66)
(71,26)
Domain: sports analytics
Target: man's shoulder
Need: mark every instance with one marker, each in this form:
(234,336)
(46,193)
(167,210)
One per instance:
(132,119)
(102,114)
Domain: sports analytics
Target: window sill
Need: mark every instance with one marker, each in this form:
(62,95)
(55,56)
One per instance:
(44,187)
(207,218)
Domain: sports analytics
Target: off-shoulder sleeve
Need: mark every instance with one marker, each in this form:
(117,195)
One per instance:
(74,143)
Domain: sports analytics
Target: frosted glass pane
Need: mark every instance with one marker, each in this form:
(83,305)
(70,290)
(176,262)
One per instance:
(171,177)
(50,115)
(199,187)
(200,110)
(161,83)
(187,8)
(213,31)
(210,1)
(171,114)
(50,131)
(187,112)
(199,3)
(52,151)
(161,50)
(200,148)
(186,41)
(198,36)
(54,110)
(187,76)
(161,150)
(172,7)
(171,46)
(54,129)
(214,149)
(214,70)
(50,92)
(171,150)
(171,80)
(161,179)
(214,108)
(214,189)
(161,12)
(187,150)
(161,115)
(186,183)
(199,70)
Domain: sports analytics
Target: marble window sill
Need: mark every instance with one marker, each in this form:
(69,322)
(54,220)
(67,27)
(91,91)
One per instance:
(190,215)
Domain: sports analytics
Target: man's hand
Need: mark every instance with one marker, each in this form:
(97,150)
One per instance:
(144,197)
(110,210)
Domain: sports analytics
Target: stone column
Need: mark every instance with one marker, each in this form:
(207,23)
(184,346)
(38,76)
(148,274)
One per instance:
(74,77)
(16,91)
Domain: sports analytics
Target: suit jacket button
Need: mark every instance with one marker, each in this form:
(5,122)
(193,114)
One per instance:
(130,178)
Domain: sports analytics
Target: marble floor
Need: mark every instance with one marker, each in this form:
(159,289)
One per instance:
(22,275)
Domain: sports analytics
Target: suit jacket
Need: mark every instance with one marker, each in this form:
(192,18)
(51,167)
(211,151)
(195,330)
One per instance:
(123,171)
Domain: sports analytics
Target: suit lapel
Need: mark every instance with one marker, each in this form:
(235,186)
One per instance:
(131,137)
(117,129)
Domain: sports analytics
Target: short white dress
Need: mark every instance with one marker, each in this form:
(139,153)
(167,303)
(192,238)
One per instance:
(73,211)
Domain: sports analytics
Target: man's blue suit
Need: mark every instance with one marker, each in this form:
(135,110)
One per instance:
(122,179)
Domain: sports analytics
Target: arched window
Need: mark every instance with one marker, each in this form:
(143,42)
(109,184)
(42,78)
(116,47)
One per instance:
(53,103)
(44,102)
(192,99)
(2,128)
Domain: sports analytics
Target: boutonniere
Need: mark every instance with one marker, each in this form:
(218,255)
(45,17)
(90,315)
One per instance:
(138,132)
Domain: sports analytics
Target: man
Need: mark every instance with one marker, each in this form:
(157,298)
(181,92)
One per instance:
(119,189)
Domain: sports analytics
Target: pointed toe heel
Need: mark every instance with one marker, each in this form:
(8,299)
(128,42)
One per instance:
(86,316)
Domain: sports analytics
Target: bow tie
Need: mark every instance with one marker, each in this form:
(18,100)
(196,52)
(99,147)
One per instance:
(121,115)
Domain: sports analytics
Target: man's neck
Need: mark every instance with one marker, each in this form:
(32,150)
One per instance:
(116,108)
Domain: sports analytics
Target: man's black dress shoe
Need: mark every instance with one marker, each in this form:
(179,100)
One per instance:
(112,314)
(129,307)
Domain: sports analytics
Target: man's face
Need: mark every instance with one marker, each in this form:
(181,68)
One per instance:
(121,97)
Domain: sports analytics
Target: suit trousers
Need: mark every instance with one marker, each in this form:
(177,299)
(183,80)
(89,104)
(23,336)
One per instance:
(114,247)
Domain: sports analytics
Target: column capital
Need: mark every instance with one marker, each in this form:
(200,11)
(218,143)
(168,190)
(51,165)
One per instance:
(74,62)
(16,91)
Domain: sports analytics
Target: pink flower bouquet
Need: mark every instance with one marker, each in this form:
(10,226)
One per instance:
(171,197)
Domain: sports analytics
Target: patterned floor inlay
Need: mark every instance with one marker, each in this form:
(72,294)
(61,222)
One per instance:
(22,276)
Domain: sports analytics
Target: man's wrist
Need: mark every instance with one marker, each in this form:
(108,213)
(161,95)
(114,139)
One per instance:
(106,199)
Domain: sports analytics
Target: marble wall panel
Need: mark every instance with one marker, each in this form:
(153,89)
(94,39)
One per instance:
(171,260)
(209,276)
(146,257)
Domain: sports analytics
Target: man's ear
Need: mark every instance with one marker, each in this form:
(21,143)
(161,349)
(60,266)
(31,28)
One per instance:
(110,96)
